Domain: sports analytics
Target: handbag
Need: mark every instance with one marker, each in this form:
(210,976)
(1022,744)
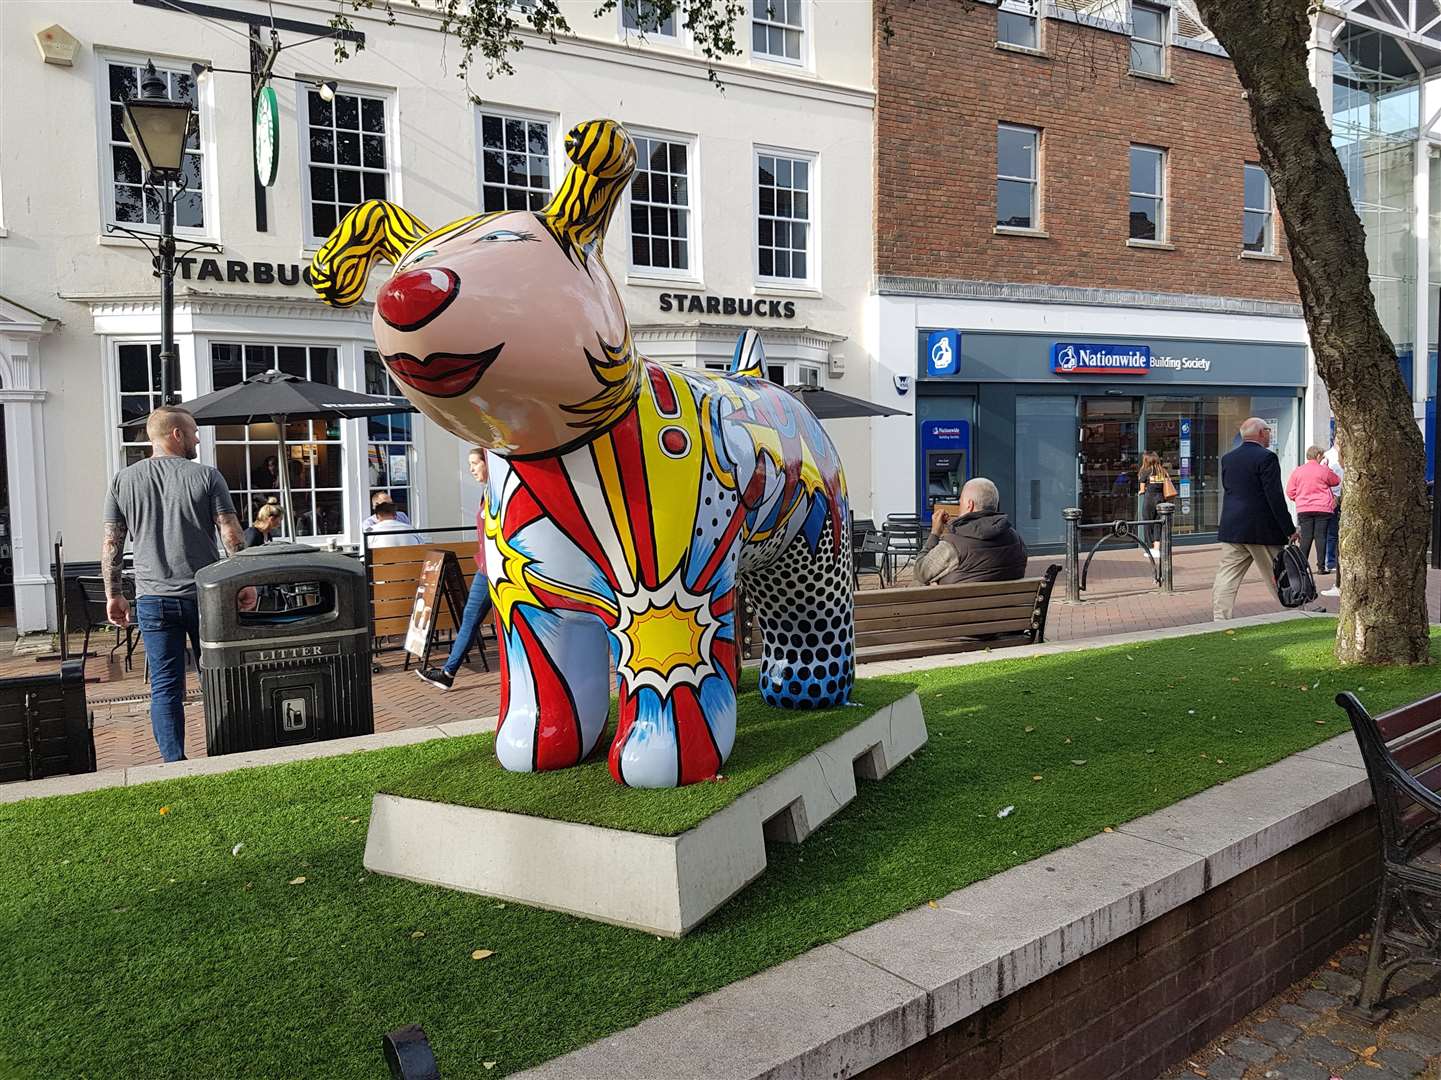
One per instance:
(1168,489)
(1294,584)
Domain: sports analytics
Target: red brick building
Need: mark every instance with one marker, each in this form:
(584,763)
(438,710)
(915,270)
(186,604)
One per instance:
(1077,257)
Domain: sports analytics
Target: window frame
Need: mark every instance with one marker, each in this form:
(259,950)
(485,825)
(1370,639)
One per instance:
(812,282)
(411,487)
(1024,9)
(1037,224)
(675,38)
(506,112)
(804,29)
(1268,246)
(348,430)
(692,275)
(1163,215)
(209,177)
(1164,13)
(309,241)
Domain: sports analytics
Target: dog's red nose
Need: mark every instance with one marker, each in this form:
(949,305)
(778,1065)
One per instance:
(410,300)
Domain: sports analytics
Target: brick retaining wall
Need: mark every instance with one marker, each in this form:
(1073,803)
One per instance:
(1140,1004)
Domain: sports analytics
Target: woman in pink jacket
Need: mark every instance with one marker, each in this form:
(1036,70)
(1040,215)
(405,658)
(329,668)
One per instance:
(1310,489)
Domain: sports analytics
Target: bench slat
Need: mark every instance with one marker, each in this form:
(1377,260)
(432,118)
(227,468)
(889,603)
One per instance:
(887,637)
(992,611)
(1409,718)
(951,606)
(1418,752)
(874,597)
(415,553)
(907,650)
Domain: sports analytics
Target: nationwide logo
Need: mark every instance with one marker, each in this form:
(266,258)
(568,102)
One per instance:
(1069,358)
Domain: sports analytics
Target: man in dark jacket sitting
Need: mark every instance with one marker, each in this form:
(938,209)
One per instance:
(980,545)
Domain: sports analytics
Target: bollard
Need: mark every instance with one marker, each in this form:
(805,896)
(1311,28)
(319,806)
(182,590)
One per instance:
(1072,514)
(1168,578)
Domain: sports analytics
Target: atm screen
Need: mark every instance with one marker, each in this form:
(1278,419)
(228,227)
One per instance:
(945,473)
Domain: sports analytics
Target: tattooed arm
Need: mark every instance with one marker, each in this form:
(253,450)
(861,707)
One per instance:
(230,532)
(234,541)
(112,553)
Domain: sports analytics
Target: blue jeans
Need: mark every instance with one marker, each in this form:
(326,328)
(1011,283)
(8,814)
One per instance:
(477,607)
(165,623)
(1333,537)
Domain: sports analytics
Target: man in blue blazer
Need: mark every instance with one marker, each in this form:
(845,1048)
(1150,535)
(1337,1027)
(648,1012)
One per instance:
(1255,521)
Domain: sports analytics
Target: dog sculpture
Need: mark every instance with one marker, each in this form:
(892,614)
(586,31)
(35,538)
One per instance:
(626,497)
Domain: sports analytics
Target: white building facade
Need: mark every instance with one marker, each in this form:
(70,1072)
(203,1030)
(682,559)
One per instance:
(751,208)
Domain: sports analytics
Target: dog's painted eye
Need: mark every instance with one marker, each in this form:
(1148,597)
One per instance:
(506,236)
(419,256)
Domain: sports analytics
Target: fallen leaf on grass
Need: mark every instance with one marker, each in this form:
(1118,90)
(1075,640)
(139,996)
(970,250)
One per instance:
(164,810)
(1029,729)
(1108,829)
(297,881)
(1220,761)
(417,934)
(1038,776)
(481,954)
(488,1064)
(236,849)
(1005,811)
(933,904)
(1152,751)
(1230,633)
(1078,761)
(1321,723)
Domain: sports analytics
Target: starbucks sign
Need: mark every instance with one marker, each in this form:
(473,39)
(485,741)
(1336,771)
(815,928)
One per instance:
(267,135)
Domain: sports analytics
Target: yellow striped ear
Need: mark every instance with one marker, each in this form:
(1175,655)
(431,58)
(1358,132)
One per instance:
(373,230)
(602,160)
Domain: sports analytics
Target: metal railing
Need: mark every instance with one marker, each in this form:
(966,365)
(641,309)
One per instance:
(1076,571)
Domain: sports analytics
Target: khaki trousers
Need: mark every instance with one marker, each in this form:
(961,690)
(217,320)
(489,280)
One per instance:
(1236,559)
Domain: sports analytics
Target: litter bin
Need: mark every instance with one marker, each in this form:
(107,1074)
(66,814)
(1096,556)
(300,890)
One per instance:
(294,669)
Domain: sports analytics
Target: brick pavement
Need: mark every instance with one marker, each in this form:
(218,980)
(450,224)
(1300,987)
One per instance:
(1121,599)
(1300,1035)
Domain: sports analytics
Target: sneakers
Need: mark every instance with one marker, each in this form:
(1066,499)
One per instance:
(1332,591)
(436,677)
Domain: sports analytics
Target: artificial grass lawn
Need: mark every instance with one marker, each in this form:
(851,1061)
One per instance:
(465,771)
(134,943)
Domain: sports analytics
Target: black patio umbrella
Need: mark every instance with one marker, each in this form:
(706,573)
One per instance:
(273,396)
(829,405)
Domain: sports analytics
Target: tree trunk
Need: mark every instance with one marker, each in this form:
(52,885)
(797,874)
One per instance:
(1385,524)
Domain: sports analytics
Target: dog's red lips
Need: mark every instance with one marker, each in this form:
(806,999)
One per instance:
(442,374)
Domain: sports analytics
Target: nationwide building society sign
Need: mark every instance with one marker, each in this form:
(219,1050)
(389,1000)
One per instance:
(1070,358)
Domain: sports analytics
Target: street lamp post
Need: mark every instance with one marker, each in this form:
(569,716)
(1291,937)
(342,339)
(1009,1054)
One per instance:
(157,128)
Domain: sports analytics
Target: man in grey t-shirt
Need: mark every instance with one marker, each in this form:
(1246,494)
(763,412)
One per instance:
(172,506)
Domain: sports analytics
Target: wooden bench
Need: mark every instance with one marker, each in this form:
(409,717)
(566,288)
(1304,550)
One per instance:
(1402,751)
(45,729)
(894,624)
(395,573)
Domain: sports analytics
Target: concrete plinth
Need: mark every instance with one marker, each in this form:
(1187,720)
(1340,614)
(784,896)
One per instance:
(663,885)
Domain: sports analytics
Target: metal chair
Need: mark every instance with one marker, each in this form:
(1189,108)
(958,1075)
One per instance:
(94,616)
(868,550)
(904,534)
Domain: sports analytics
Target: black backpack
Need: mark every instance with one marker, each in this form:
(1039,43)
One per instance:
(1294,582)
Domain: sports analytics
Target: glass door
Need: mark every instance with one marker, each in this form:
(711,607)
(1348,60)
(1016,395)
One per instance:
(1045,467)
(1110,454)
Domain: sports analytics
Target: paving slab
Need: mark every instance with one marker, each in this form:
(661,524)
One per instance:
(979,944)
(1245,821)
(826,1013)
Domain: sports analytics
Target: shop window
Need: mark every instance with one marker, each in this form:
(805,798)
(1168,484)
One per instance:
(1017,150)
(1148,39)
(514,162)
(1148,193)
(807,375)
(390,440)
(247,454)
(777,29)
(660,202)
(640,17)
(347,158)
(1257,219)
(138,378)
(1017,24)
(783,195)
(127,202)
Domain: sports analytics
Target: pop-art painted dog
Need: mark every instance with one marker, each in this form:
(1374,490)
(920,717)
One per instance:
(625,495)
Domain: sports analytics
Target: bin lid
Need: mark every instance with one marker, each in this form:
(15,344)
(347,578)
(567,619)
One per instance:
(294,560)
